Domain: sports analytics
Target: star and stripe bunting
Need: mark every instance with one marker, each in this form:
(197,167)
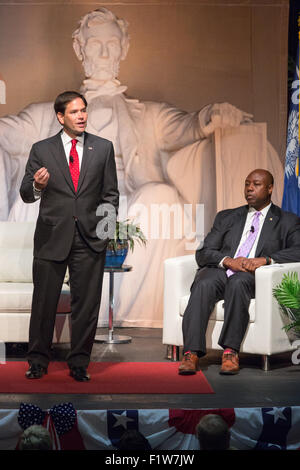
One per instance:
(268,428)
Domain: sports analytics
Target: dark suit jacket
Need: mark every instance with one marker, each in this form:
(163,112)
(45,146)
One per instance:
(279,237)
(60,205)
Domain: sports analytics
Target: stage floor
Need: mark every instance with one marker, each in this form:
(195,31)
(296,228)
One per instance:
(252,387)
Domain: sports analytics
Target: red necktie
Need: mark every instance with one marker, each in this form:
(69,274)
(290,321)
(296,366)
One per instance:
(74,164)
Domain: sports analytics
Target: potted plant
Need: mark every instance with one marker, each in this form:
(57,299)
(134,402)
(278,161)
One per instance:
(126,234)
(287,294)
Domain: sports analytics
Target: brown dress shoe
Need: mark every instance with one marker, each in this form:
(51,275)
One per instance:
(230,364)
(189,364)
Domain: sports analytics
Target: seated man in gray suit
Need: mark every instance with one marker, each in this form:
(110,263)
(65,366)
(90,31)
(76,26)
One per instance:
(240,241)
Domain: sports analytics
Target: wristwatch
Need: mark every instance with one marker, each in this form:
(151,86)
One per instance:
(36,189)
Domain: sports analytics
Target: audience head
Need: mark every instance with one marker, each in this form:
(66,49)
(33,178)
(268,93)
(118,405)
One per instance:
(133,440)
(213,433)
(35,437)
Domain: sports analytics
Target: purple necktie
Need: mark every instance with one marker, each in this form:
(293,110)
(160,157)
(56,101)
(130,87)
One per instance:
(245,248)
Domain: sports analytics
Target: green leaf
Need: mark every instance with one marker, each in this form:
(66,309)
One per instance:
(287,294)
(128,232)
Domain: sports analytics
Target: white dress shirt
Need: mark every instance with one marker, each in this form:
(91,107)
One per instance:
(67,144)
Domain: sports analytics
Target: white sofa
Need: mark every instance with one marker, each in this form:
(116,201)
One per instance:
(264,335)
(16,255)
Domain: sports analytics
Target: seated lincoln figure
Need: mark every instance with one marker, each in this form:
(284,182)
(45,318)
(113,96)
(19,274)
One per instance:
(152,142)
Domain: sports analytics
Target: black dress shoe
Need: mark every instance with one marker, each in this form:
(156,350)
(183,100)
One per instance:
(80,374)
(36,371)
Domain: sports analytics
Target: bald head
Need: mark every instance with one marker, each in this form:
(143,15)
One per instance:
(258,188)
(264,174)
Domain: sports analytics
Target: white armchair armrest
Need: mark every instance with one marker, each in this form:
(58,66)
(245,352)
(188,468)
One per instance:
(270,337)
(179,274)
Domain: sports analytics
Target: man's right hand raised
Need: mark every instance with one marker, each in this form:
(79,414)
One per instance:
(41,178)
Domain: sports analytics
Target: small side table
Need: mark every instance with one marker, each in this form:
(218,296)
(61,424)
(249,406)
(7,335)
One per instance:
(110,338)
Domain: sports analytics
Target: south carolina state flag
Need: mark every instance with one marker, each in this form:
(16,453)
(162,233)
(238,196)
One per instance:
(291,195)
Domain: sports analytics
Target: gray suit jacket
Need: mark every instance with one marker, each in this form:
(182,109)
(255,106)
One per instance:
(60,205)
(279,237)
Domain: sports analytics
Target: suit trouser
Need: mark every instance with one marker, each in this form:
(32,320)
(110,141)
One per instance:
(86,269)
(211,285)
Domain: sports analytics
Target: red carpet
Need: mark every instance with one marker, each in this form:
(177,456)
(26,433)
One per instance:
(106,378)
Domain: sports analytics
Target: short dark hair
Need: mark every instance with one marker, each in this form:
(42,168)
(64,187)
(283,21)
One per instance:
(133,439)
(64,98)
(213,433)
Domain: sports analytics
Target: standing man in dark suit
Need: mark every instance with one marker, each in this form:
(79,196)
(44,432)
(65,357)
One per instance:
(240,241)
(74,176)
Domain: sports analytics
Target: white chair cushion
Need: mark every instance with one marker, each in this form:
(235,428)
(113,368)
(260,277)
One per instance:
(16,252)
(16,297)
(16,235)
(218,312)
(16,265)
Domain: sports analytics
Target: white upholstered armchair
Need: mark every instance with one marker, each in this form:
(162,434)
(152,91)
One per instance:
(264,335)
(16,287)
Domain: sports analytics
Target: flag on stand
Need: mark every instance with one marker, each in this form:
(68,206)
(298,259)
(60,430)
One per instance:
(291,194)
